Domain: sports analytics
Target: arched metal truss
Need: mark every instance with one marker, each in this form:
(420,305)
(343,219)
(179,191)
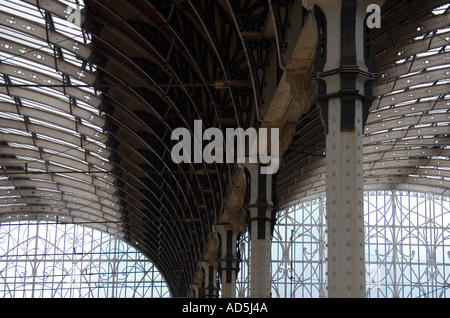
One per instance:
(160,67)
(91,91)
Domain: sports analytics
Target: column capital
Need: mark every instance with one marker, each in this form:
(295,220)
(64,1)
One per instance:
(228,258)
(259,188)
(209,282)
(344,65)
(340,26)
(260,216)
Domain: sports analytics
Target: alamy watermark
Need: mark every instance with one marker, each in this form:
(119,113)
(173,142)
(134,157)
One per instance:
(374,18)
(236,146)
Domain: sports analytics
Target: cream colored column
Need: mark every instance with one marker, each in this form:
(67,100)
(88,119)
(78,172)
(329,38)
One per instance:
(228,259)
(345,214)
(344,71)
(210,289)
(260,220)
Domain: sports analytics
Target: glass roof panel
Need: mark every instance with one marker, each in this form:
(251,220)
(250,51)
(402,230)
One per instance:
(45,85)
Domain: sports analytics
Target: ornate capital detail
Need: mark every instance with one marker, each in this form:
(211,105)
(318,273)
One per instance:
(344,65)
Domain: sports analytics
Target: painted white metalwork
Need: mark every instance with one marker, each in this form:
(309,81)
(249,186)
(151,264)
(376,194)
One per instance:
(345,205)
(48,260)
(228,259)
(260,207)
(407,247)
(242,280)
(298,251)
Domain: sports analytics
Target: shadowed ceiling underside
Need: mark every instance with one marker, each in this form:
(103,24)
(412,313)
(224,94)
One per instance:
(87,113)
(162,65)
(89,100)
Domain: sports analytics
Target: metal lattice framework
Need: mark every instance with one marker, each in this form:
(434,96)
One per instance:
(54,158)
(89,96)
(91,91)
(50,260)
(406,241)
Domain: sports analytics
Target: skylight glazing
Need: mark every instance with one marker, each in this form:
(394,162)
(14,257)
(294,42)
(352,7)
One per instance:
(52,141)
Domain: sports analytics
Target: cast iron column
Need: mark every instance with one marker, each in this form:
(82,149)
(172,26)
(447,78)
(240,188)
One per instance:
(344,71)
(228,259)
(210,289)
(260,210)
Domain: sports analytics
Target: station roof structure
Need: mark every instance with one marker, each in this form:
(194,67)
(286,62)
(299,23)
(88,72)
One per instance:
(91,91)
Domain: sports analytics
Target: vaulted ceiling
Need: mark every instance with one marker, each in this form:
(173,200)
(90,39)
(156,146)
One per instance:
(88,104)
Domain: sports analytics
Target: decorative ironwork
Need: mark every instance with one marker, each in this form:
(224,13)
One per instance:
(242,290)
(407,245)
(407,248)
(298,251)
(48,260)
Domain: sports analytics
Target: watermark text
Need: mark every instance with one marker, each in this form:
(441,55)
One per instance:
(236,146)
